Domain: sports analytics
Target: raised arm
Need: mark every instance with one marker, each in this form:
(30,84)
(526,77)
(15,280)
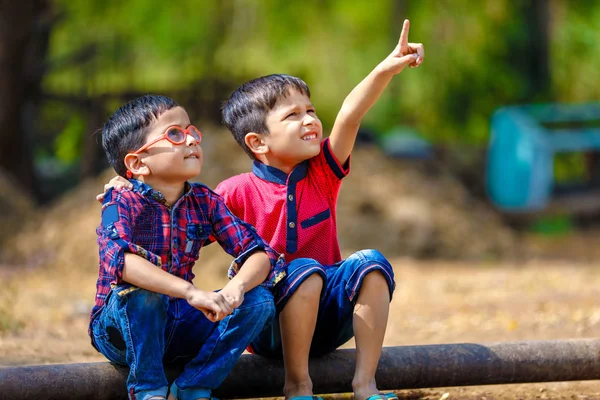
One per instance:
(365,94)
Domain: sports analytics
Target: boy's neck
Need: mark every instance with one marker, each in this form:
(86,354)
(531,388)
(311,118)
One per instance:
(170,191)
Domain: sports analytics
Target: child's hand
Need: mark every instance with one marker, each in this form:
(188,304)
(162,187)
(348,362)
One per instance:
(118,182)
(213,305)
(405,53)
(233,294)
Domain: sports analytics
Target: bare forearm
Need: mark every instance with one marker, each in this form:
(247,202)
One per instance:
(367,92)
(143,274)
(354,108)
(254,272)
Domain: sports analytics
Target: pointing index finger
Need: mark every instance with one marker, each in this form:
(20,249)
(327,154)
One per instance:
(403,41)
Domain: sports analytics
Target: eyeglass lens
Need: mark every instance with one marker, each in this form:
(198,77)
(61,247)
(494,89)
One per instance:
(177,135)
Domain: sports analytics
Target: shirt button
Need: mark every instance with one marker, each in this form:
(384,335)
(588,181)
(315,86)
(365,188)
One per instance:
(292,225)
(291,197)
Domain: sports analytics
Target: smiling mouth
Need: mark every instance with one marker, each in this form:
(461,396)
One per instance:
(310,136)
(195,156)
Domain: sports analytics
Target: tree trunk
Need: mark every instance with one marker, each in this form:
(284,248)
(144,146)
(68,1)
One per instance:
(23,44)
(536,53)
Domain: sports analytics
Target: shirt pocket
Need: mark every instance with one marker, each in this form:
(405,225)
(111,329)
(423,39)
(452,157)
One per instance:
(315,219)
(195,235)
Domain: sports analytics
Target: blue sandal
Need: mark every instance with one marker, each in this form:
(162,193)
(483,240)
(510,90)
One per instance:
(198,393)
(383,396)
(306,398)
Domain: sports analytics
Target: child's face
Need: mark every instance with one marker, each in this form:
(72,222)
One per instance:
(168,162)
(295,131)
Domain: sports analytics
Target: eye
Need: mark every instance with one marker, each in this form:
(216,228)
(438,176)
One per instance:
(292,114)
(311,110)
(176,135)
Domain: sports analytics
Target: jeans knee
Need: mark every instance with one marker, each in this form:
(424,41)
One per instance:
(259,303)
(142,301)
(371,255)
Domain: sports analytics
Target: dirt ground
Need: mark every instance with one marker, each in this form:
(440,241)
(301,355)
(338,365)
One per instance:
(462,276)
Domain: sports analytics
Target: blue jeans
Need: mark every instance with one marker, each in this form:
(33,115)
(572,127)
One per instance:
(341,286)
(145,330)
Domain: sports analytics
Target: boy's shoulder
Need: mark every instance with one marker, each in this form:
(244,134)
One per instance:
(239,178)
(201,191)
(121,195)
(235,182)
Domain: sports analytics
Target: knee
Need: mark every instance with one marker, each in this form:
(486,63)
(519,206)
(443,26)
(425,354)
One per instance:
(371,256)
(379,272)
(375,280)
(310,288)
(260,304)
(144,300)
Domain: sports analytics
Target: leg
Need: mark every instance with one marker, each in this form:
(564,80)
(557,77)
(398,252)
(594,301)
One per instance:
(290,336)
(297,323)
(356,303)
(130,331)
(224,346)
(370,321)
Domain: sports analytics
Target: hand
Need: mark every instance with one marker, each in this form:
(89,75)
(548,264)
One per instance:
(213,305)
(405,53)
(233,294)
(118,182)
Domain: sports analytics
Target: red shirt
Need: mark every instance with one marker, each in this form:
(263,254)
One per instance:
(295,213)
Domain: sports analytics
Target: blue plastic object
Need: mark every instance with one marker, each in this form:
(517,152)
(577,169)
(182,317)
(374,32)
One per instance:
(405,142)
(522,148)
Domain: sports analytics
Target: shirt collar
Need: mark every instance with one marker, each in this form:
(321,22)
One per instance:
(147,190)
(272,174)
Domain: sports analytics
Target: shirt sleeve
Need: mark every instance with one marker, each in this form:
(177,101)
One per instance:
(240,239)
(337,171)
(114,237)
(327,172)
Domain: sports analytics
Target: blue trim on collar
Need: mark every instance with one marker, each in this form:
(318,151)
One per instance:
(143,188)
(272,174)
(291,229)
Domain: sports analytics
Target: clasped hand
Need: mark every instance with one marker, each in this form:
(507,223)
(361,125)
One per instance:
(216,305)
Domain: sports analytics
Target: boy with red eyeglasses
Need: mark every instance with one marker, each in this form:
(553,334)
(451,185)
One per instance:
(147,310)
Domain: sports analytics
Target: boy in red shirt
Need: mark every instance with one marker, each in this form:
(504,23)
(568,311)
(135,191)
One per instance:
(290,197)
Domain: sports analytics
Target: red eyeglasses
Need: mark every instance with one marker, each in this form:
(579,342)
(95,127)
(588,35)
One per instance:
(176,135)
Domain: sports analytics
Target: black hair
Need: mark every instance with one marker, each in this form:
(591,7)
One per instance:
(126,130)
(247,107)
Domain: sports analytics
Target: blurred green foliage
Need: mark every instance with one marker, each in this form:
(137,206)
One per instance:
(477,55)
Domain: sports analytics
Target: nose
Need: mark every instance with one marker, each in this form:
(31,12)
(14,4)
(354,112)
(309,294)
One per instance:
(191,140)
(310,119)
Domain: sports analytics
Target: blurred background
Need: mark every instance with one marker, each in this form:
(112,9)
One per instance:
(462,165)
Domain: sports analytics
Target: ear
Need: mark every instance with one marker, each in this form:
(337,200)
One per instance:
(256,143)
(135,164)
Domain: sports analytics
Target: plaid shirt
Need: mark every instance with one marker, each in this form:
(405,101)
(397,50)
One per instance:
(138,221)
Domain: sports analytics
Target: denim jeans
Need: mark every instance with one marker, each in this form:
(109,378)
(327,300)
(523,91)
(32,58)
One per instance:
(341,286)
(145,330)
